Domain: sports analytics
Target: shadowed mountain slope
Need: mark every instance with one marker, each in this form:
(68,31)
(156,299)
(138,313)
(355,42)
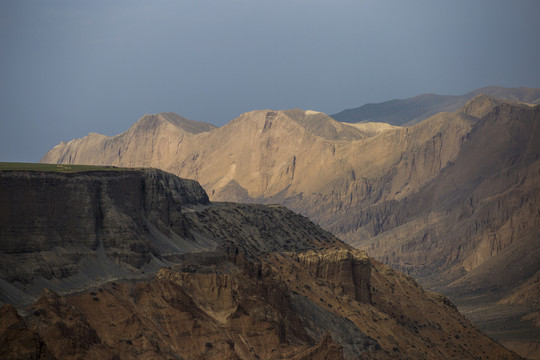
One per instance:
(407,112)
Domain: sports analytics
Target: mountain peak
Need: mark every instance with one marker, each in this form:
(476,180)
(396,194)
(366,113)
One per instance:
(323,125)
(313,122)
(482,104)
(520,94)
(183,124)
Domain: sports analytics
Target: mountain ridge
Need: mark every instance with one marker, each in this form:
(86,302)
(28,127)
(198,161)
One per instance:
(467,177)
(410,111)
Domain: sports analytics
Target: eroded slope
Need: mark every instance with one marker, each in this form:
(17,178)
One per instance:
(240,282)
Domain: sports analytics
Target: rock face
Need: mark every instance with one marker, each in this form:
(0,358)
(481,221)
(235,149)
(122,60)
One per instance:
(241,281)
(451,200)
(351,271)
(482,202)
(122,223)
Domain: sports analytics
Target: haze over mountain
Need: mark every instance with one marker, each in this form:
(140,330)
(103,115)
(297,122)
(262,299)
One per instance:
(147,267)
(407,112)
(452,200)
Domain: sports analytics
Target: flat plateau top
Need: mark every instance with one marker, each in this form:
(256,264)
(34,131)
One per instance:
(63,168)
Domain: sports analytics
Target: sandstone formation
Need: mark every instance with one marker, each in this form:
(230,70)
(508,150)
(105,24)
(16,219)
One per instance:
(452,200)
(236,282)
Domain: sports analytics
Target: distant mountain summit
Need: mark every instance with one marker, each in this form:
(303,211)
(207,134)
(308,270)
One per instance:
(407,112)
(148,131)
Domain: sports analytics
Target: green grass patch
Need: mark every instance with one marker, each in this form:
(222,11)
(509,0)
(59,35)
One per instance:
(63,168)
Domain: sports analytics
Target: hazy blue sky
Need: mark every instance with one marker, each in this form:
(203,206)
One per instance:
(72,67)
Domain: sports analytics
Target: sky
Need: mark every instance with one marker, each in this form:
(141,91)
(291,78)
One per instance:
(70,67)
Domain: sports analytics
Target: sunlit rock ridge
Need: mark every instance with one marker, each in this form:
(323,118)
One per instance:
(452,200)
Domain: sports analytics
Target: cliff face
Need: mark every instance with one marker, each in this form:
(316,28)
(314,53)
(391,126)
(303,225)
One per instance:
(236,281)
(62,226)
(39,212)
(351,271)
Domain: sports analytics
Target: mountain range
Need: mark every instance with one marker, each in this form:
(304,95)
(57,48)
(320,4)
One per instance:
(452,200)
(413,110)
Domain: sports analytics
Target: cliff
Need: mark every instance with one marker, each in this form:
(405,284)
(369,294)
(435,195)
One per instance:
(63,229)
(349,270)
